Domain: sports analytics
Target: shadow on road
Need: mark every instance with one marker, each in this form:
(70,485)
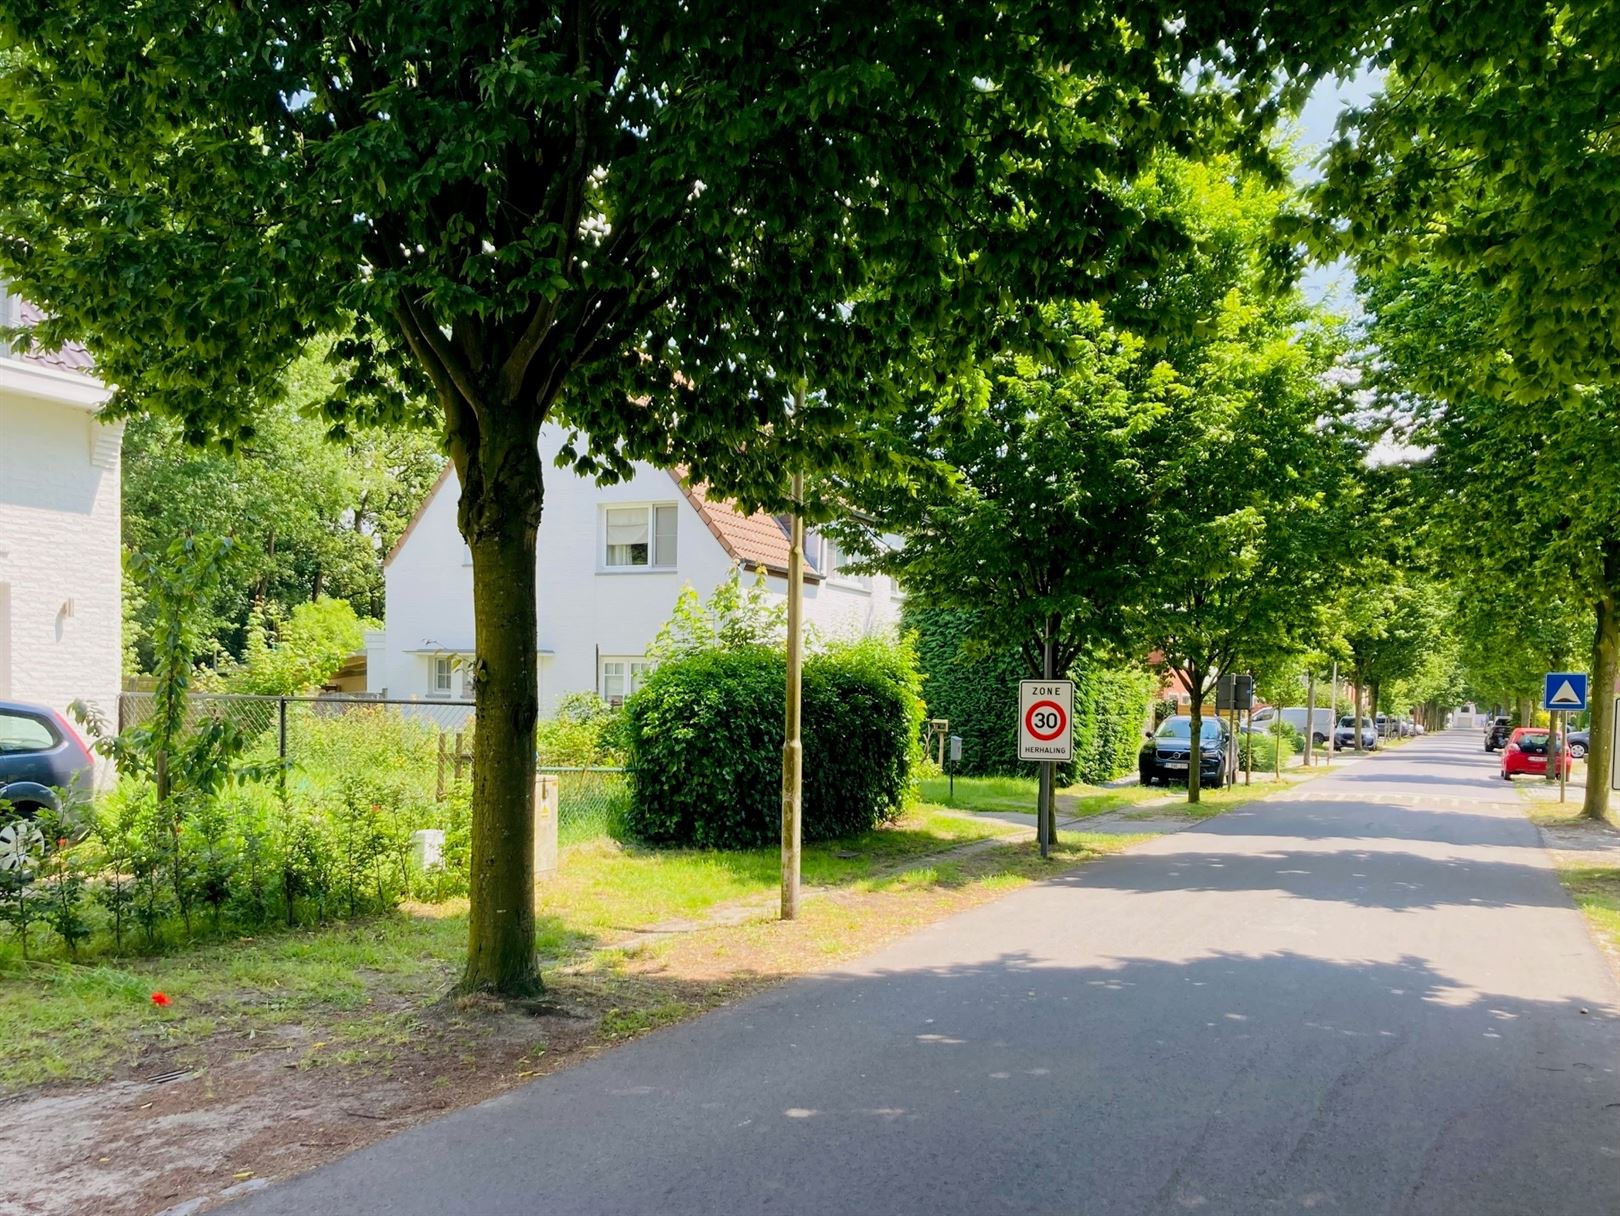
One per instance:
(1224,1083)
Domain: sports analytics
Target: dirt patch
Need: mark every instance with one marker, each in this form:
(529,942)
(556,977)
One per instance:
(187,1127)
(1581,842)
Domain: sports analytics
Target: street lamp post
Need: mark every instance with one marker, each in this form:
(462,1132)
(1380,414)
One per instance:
(792,742)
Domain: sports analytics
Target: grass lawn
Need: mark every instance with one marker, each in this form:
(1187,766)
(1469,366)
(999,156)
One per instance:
(1003,794)
(364,981)
(1018,794)
(1597,892)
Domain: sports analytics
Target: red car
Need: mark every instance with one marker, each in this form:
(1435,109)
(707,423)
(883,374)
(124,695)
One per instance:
(1526,752)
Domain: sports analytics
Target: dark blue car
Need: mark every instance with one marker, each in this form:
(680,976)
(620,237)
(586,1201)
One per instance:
(40,753)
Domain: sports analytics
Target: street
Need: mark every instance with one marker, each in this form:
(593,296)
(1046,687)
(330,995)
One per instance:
(1368,996)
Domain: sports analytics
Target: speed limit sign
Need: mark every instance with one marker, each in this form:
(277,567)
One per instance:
(1046,720)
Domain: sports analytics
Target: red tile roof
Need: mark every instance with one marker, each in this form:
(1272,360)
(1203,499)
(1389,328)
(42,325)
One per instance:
(749,540)
(71,358)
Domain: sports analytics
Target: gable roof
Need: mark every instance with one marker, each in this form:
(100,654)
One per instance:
(749,540)
(71,358)
(421,510)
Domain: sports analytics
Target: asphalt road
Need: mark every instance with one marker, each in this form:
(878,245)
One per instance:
(1371,998)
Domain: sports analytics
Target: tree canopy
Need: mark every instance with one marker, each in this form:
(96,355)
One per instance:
(655,222)
(309,516)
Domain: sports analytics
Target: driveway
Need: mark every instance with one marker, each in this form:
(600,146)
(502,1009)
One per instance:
(1368,996)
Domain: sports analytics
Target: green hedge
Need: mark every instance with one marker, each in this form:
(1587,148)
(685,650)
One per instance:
(1110,712)
(703,741)
(978,692)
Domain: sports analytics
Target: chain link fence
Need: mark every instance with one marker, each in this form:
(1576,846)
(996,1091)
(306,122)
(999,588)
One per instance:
(330,741)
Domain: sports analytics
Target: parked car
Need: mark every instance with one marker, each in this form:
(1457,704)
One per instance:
(1496,734)
(40,753)
(1580,742)
(1165,755)
(1321,721)
(1526,752)
(1344,735)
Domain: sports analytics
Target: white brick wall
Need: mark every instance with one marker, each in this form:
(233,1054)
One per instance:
(60,585)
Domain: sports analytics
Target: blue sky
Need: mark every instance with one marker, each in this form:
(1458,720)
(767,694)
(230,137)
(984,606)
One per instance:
(1332,284)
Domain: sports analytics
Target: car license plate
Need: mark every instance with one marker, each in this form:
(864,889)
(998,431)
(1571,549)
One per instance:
(1175,764)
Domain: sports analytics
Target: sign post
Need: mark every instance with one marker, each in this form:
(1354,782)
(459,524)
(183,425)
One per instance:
(1563,694)
(1046,736)
(1614,737)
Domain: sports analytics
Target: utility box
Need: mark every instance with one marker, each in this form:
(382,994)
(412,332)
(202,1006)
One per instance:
(427,849)
(956,749)
(545,826)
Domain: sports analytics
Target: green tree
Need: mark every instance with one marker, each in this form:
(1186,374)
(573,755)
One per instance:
(1490,156)
(1253,477)
(300,653)
(309,516)
(1527,501)
(734,616)
(652,223)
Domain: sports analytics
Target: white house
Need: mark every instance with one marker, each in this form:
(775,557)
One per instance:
(612,560)
(60,578)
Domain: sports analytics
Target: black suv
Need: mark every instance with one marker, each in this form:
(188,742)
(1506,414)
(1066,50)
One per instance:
(1164,757)
(1496,735)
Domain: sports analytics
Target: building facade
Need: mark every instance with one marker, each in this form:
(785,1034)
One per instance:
(611,562)
(61,580)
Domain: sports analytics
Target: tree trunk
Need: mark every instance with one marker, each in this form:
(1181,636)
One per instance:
(1310,719)
(1600,696)
(1195,750)
(1372,712)
(499,517)
(1355,724)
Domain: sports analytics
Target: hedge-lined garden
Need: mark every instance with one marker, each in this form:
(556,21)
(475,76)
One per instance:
(978,692)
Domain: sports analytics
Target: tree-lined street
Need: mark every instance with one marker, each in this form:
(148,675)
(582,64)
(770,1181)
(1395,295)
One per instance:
(1369,995)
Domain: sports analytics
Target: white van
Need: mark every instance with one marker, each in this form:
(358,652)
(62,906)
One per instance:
(1294,715)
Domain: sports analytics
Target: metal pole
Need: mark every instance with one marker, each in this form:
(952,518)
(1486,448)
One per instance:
(281,746)
(1310,718)
(1563,750)
(793,746)
(1248,755)
(1333,727)
(1040,808)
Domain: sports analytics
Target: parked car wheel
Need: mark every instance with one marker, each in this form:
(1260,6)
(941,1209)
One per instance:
(1577,751)
(1507,776)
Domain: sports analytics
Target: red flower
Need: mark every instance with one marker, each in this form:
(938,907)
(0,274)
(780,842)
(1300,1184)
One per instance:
(61,842)
(159,999)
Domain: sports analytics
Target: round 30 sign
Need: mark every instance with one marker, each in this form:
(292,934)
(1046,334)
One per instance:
(1046,720)
(1045,714)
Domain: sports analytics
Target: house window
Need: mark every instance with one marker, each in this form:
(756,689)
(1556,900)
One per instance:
(834,572)
(640,537)
(444,667)
(622,677)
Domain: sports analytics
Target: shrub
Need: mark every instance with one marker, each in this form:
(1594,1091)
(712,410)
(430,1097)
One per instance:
(585,733)
(704,744)
(1259,752)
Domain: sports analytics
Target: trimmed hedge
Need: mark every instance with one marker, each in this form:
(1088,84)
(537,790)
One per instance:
(978,692)
(703,739)
(1110,713)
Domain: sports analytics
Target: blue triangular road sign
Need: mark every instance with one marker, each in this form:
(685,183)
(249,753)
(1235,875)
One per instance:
(1566,695)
